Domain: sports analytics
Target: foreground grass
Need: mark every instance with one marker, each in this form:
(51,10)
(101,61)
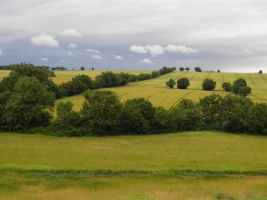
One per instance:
(186,150)
(187,165)
(55,185)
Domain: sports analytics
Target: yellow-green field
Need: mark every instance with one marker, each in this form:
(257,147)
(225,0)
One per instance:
(159,94)
(21,154)
(156,91)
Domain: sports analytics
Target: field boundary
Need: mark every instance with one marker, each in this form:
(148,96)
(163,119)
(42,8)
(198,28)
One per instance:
(111,173)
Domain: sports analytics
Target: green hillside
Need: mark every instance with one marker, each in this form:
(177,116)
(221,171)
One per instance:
(160,95)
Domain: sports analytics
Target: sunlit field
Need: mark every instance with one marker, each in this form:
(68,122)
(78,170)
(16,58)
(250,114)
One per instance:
(142,166)
(156,91)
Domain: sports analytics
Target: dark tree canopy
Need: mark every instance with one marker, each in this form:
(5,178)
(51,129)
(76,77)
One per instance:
(198,69)
(183,83)
(181,69)
(227,86)
(170,83)
(208,84)
(240,87)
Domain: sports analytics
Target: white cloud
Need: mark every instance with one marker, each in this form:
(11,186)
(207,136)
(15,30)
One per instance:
(44,40)
(118,57)
(71,32)
(92,51)
(44,59)
(146,61)
(72,45)
(1,52)
(138,49)
(180,49)
(70,54)
(155,50)
(62,60)
(248,51)
(97,57)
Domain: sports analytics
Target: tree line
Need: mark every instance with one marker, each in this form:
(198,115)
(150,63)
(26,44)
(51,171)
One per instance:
(239,86)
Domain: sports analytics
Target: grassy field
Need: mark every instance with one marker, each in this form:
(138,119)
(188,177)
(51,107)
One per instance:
(156,91)
(187,165)
(142,166)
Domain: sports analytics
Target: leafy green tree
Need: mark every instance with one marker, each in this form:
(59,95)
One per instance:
(82,68)
(102,110)
(208,84)
(137,116)
(183,83)
(198,69)
(187,69)
(227,86)
(181,69)
(240,87)
(256,121)
(29,106)
(210,110)
(161,122)
(260,72)
(67,121)
(155,74)
(234,111)
(170,83)
(218,71)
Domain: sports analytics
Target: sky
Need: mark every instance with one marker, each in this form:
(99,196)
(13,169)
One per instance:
(229,35)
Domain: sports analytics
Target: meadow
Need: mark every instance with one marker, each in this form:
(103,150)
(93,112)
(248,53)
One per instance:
(186,165)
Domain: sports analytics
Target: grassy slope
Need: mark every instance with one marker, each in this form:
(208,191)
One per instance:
(156,91)
(188,150)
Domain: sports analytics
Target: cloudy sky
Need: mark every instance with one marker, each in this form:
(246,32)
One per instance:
(230,35)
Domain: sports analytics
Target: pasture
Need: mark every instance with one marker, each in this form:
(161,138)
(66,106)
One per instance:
(143,167)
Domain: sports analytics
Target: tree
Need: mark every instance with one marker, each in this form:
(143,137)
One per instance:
(170,83)
(208,84)
(240,87)
(101,110)
(218,71)
(82,68)
(29,106)
(260,72)
(227,86)
(137,116)
(210,110)
(67,121)
(187,69)
(181,69)
(198,69)
(183,83)
(234,111)
(256,121)
(155,74)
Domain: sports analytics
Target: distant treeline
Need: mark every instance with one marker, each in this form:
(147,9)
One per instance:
(10,66)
